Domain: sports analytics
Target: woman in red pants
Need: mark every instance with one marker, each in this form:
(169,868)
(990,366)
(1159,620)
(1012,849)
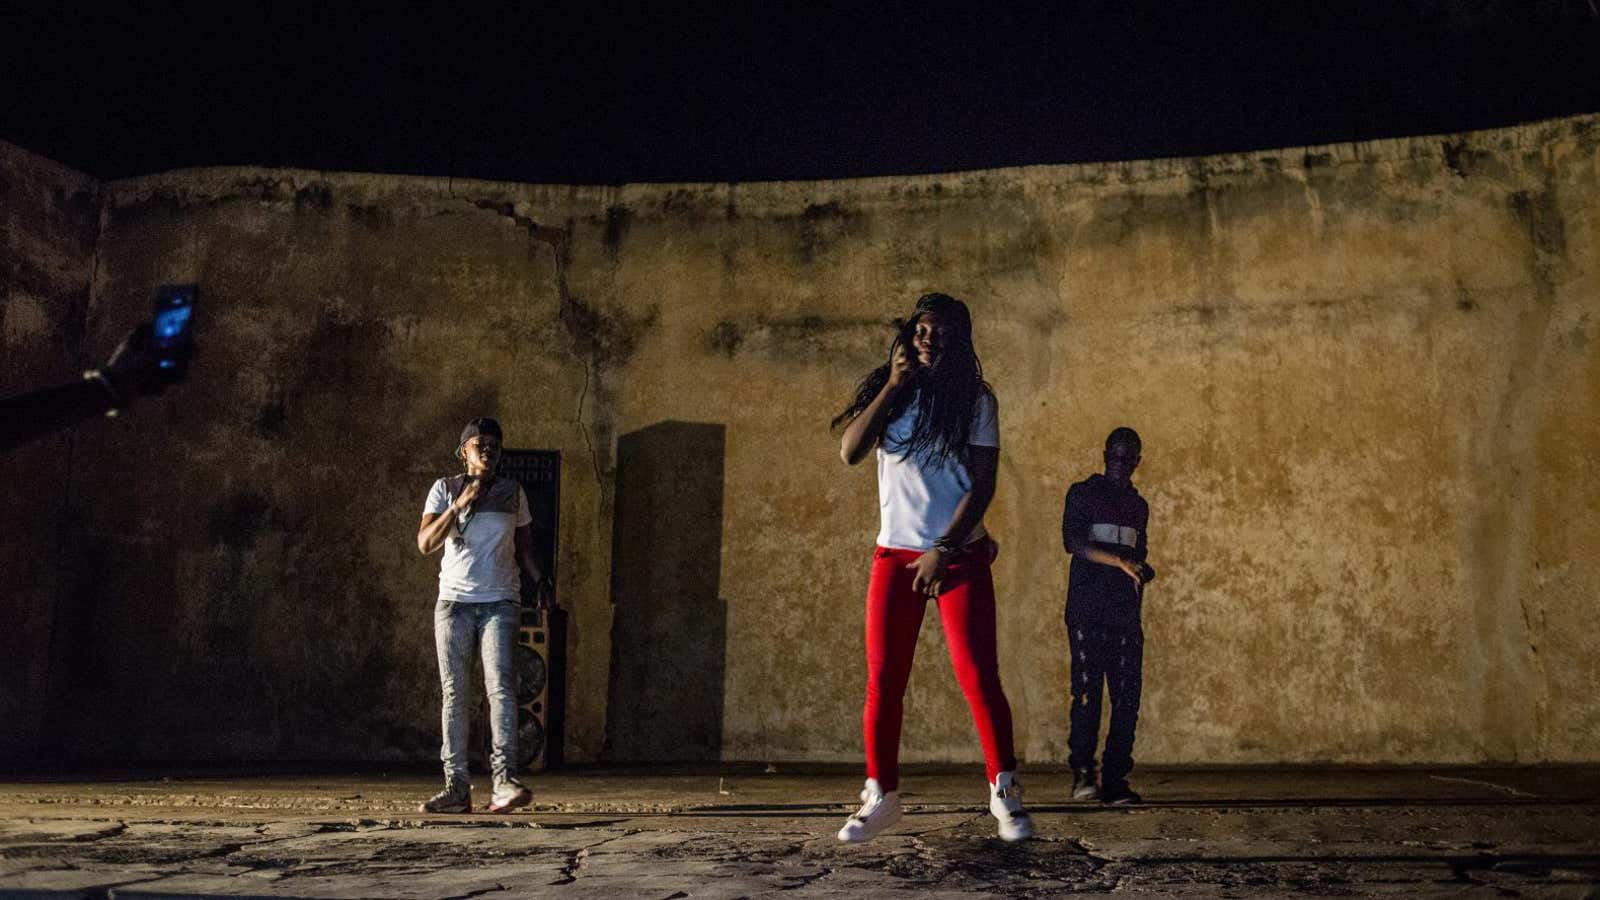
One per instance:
(933,421)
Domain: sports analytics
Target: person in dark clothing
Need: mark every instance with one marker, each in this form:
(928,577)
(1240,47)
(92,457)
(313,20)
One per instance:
(1103,528)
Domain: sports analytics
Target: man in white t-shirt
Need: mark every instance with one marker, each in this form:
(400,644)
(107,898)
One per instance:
(483,524)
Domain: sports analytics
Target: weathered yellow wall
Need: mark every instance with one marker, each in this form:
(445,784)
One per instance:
(1366,376)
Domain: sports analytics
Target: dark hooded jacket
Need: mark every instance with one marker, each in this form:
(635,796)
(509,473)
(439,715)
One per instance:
(1112,517)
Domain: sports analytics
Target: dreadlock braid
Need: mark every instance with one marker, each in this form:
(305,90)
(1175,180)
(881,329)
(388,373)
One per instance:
(947,392)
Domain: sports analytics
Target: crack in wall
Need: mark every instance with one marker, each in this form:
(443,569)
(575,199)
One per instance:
(570,311)
(1513,687)
(1547,234)
(529,240)
(591,363)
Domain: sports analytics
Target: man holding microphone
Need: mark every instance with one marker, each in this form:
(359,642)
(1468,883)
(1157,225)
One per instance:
(484,525)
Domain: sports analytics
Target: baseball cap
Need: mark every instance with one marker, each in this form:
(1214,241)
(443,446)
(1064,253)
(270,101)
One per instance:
(479,426)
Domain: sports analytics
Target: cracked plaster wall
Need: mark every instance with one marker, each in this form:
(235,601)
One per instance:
(1366,376)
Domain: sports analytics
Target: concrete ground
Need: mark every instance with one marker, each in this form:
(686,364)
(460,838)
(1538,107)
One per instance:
(741,831)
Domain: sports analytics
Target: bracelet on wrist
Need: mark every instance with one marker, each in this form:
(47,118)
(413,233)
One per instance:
(111,389)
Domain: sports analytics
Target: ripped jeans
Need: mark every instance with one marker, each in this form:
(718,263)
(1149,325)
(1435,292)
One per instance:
(1114,657)
(459,629)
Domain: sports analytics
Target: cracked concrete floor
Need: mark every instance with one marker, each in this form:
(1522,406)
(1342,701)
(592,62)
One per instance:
(739,831)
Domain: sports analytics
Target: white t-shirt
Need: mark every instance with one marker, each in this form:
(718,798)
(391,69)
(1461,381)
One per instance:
(918,499)
(480,554)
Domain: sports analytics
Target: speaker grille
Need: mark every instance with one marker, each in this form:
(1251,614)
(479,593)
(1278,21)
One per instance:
(532,674)
(530,738)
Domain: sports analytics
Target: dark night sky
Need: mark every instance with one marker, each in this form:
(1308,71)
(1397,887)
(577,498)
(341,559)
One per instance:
(590,93)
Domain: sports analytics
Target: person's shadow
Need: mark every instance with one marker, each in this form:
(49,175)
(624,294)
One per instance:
(669,625)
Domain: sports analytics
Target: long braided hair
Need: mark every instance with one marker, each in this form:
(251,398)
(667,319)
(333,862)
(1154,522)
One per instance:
(947,392)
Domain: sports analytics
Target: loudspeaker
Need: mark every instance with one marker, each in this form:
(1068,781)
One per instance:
(541,649)
(541,661)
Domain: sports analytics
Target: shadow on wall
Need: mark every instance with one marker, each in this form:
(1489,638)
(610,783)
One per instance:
(669,626)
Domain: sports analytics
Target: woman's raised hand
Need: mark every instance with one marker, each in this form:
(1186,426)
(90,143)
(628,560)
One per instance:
(899,368)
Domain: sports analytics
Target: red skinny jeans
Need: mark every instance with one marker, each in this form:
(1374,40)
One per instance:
(894,616)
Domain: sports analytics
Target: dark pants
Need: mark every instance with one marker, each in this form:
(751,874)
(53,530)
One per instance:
(1113,657)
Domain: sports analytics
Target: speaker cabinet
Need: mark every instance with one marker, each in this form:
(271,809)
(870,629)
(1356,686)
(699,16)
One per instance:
(541,688)
(541,650)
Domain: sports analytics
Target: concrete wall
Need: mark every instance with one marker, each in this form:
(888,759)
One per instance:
(49,217)
(1366,376)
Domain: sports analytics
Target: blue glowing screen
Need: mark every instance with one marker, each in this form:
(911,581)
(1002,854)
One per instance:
(171,323)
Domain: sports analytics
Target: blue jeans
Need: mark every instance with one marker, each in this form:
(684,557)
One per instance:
(458,629)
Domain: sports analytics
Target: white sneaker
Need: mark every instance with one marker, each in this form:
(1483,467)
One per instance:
(1005,804)
(509,795)
(878,811)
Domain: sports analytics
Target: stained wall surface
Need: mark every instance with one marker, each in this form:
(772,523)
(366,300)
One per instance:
(49,218)
(1366,375)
